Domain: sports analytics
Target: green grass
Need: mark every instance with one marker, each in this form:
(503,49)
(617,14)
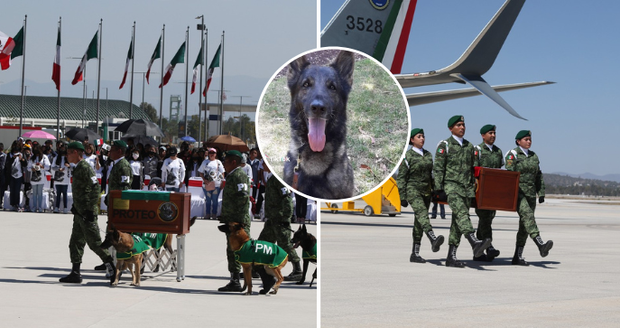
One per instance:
(377,125)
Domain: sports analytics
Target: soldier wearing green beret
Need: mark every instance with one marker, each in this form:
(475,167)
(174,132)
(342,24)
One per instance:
(489,155)
(415,183)
(522,159)
(454,179)
(235,208)
(277,229)
(85,206)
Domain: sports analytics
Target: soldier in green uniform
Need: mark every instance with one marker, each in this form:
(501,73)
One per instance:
(490,156)
(415,183)
(235,208)
(277,229)
(85,227)
(454,179)
(522,159)
(121,175)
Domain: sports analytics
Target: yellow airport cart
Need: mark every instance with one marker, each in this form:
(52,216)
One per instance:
(384,200)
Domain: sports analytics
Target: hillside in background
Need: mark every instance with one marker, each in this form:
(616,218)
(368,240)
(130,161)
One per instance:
(567,185)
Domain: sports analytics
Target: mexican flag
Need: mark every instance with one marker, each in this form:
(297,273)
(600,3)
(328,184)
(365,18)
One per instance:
(197,66)
(11,48)
(179,58)
(129,58)
(214,63)
(91,52)
(56,68)
(156,54)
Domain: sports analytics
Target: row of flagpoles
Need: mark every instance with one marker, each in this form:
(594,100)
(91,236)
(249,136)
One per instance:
(16,46)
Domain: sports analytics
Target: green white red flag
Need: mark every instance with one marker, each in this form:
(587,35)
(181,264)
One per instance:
(179,58)
(197,66)
(156,54)
(214,63)
(91,52)
(129,58)
(11,48)
(56,68)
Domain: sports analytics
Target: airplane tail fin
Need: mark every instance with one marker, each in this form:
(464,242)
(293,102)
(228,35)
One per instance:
(378,28)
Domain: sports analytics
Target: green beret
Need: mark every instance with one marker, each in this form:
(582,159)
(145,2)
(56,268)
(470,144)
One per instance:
(523,133)
(120,144)
(487,128)
(455,119)
(416,131)
(76,145)
(234,153)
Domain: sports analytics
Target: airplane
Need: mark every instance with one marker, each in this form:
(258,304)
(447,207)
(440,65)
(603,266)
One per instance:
(380,28)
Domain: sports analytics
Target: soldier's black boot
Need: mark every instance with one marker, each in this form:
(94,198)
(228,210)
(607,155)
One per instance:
(233,285)
(100,267)
(543,248)
(296,274)
(74,276)
(478,246)
(415,254)
(436,241)
(452,261)
(492,253)
(518,259)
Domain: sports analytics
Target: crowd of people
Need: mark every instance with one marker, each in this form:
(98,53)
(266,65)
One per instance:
(28,166)
(450,178)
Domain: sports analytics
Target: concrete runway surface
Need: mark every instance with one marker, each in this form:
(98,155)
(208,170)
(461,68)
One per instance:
(368,281)
(34,255)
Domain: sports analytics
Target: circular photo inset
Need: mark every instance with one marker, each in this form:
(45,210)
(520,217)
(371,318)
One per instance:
(333,124)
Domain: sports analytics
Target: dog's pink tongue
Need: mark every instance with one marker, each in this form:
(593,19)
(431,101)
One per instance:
(316,135)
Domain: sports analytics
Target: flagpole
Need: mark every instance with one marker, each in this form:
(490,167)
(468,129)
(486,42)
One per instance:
(58,107)
(161,90)
(21,112)
(202,45)
(99,73)
(222,87)
(206,76)
(186,75)
(133,49)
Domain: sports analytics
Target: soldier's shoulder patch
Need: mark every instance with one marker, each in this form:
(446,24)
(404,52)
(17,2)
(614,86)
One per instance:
(284,190)
(440,150)
(94,179)
(242,187)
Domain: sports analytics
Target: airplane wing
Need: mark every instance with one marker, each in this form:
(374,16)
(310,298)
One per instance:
(345,29)
(422,98)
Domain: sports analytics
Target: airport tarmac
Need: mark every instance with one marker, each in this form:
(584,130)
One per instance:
(35,255)
(368,281)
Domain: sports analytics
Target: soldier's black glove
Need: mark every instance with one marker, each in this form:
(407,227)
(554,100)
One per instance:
(403,203)
(74,211)
(440,196)
(89,216)
(541,199)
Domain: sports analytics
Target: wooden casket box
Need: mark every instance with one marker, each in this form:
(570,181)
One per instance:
(497,189)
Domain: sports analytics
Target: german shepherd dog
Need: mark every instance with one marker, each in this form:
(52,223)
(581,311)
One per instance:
(308,245)
(237,237)
(317,163)
(124,243)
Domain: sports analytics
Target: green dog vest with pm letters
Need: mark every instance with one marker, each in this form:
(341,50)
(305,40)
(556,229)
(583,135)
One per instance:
(143,242)
(309,256)
(260,253)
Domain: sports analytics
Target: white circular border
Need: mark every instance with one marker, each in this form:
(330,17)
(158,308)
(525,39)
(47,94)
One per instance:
(402,92)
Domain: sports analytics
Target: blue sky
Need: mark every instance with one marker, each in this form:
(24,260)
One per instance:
(258,41)
(574,43)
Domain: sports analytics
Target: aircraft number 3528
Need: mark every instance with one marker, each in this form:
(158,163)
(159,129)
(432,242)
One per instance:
(364,24)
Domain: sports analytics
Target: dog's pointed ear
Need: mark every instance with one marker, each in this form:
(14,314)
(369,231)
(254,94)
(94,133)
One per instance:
(303,228)
(344,64)
(223,228)
(295,68)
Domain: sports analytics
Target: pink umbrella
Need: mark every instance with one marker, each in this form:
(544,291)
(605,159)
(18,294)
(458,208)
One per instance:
(38,134)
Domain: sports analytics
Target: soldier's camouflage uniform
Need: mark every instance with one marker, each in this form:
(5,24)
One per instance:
(278,212)
(415,182)
(530,183)
(454,173)
(235,208)
(85,198)
(492,159)
(121,176)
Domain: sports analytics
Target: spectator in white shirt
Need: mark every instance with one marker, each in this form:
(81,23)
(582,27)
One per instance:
(173,171)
